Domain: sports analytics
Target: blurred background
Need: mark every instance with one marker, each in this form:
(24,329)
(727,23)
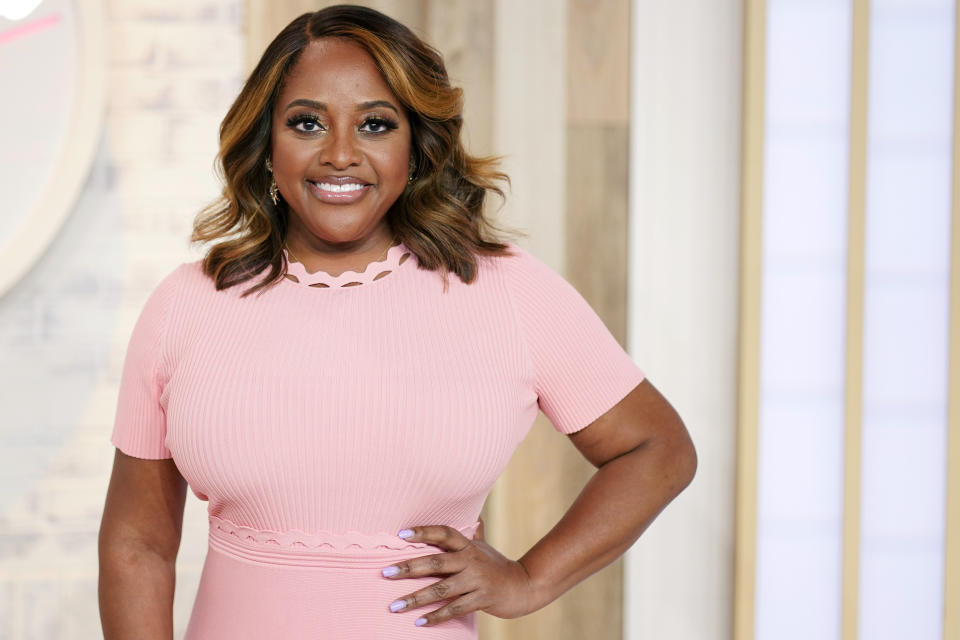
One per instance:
(758,197)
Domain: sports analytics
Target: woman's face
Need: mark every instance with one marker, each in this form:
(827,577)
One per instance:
(340,146)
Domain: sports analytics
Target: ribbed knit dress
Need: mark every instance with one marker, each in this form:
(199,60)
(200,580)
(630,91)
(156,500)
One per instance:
(317,421)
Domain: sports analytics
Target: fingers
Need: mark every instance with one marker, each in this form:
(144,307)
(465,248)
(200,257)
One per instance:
(439,535)
(437,564)
(448,589)
(440,590)
(448,563)
(460,607)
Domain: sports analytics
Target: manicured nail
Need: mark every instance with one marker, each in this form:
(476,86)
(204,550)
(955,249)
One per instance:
(405,533)
(396,605)
(390,571)
(420,622)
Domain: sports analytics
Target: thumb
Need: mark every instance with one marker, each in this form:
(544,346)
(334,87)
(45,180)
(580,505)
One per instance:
(478,535)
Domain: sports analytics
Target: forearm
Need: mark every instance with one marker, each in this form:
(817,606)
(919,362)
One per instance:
(136,594)
(616,505)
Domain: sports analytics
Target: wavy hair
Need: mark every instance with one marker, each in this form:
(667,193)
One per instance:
(440,214)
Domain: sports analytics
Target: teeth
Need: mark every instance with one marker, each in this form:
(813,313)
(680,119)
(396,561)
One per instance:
(339,188)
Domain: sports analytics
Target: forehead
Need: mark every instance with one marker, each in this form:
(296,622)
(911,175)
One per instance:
(336,69)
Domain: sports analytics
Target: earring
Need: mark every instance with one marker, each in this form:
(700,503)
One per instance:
(273,184)
(413,171)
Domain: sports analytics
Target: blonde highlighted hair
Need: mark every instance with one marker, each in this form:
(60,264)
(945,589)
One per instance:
(439,216)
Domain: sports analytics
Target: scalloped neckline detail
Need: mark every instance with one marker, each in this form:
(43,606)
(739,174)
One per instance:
(348,279)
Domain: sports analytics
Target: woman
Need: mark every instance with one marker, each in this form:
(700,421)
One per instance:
(344,414)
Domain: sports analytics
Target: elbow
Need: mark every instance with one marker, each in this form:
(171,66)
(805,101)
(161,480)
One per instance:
(683,461)
(688,463)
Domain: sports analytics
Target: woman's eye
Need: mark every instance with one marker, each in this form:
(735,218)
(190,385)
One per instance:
(377,125)
(306,124)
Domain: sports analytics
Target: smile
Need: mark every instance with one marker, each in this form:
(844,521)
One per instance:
(339,188)
(342,193)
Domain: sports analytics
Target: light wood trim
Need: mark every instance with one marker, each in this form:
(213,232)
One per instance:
(951,581)
(751,269)
(856,226)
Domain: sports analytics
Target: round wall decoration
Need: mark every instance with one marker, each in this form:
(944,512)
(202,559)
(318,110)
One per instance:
(52,73)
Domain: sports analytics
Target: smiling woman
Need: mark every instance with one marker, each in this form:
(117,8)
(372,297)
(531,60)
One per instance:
(340,157)
(349,123)
(347,423)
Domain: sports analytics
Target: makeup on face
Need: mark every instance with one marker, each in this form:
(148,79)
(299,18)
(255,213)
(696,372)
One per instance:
(340,147)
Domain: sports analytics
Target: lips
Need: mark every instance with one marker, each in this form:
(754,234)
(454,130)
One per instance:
(338,189)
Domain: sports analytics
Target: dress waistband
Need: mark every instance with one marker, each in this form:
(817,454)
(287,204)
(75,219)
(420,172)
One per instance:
(317,549)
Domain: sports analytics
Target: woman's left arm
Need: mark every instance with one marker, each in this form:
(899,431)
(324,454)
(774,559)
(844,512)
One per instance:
(644,459)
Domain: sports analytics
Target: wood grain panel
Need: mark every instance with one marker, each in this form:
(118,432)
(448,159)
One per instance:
(463,31)
(597,190)
(598,54)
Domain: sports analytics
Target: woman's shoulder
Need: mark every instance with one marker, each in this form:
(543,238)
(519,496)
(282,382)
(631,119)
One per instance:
(512,257)
(519,262)
(185,281)
(188,275)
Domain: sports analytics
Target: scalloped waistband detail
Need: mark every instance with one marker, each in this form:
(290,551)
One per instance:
(321,548)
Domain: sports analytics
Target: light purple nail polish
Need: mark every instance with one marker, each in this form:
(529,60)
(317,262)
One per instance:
(405,533)
(396,605)
(390,571)
(420,622)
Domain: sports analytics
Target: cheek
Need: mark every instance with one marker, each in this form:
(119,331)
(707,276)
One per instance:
(289,159)
(394,165)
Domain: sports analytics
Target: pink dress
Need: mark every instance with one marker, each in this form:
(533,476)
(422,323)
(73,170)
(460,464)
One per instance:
(319,421)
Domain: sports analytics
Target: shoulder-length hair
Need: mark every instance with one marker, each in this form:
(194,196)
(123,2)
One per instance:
(440,214)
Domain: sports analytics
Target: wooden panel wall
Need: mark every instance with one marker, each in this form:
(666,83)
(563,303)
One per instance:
(546,83)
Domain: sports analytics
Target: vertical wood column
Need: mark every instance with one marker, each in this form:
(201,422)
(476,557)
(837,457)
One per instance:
(751,289)
(951,576)
(598,144)
(856,232)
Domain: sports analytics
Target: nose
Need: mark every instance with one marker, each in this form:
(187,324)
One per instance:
(340,150)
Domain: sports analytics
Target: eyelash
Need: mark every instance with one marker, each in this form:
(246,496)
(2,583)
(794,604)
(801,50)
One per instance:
(387,123)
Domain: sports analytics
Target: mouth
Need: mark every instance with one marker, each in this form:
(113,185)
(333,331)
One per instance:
(336,190)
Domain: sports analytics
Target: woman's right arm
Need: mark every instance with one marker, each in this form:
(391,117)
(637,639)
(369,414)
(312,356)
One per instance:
(138,544)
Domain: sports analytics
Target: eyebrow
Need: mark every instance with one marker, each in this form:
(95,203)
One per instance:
(321,106)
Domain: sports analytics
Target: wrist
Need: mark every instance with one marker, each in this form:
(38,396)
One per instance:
(538,592)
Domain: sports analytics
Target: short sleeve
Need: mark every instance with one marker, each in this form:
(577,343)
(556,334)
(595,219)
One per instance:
(140,426)
(581,370)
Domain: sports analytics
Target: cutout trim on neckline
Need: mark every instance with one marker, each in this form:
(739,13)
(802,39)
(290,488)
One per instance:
(396,255)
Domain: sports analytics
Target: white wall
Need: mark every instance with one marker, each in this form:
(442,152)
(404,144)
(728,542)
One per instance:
(684,276)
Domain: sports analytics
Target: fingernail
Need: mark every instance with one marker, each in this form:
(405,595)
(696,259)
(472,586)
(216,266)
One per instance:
(405,533)
(396,605)
(390,571)
(420,622)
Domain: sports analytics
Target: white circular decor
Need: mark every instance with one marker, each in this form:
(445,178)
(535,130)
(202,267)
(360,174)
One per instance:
(51,114)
